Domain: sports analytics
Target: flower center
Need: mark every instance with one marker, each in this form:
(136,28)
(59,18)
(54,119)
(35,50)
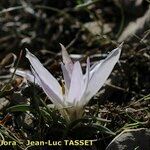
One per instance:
(63,87)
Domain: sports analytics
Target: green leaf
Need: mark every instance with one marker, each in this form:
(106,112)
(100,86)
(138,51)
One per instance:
(103,129)
(76,122)
(21,108)
(45,113)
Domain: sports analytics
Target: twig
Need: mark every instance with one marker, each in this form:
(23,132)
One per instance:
(73,41)
(11,9)
(81,6)
(122,21)
(36,6)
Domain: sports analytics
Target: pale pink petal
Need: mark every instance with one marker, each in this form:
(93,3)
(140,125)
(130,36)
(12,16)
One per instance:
(101,72)
(82,100)
(44,75)
(76,84)
(48,91)
(66,76)
(25,74)
(67,60)
(97,64)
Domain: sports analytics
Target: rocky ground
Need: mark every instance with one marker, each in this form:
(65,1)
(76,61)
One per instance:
(86,28)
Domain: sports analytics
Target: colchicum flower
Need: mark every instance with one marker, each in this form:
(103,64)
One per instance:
(78,88)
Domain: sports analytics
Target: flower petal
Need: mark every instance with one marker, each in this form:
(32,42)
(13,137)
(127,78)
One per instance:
(25,74)
(76,84)
(67,60)
(48,91)
(44,75)
(66,76)
(101,72)
(82,100)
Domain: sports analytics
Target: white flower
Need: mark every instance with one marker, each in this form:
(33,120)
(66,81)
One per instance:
(79,88)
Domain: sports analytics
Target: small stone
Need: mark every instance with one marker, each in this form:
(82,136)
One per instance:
(132,139)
